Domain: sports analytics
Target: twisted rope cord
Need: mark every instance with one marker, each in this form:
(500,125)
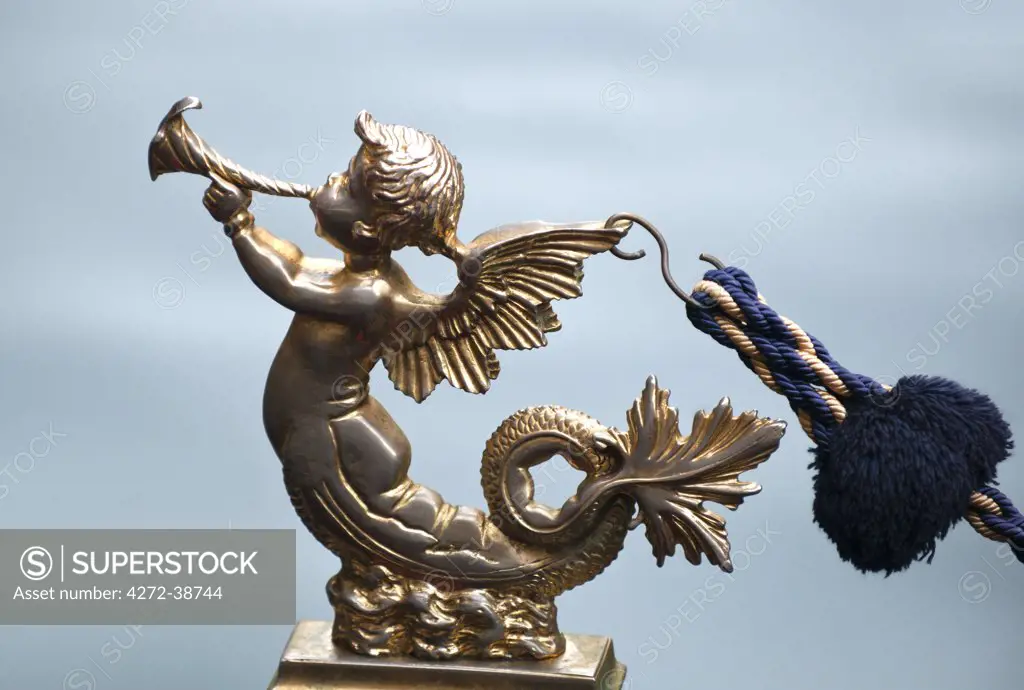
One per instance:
(796,365)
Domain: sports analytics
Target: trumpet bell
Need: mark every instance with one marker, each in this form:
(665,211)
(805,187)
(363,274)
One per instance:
(159,148)
(177,148)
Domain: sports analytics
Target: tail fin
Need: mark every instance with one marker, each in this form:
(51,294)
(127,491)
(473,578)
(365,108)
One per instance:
(670,476)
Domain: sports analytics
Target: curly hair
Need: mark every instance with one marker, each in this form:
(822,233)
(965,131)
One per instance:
(413,182)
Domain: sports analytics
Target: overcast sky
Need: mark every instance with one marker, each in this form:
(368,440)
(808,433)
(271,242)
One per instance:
(860,160)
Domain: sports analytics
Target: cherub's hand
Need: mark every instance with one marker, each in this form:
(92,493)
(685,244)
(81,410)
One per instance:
(224,200)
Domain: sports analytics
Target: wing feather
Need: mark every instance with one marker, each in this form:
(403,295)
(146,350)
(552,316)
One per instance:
(413,371)
(503,305)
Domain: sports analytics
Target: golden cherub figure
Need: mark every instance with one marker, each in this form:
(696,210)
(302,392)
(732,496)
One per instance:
(420,576)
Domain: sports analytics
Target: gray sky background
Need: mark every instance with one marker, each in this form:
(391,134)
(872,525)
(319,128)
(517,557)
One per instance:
(132,332)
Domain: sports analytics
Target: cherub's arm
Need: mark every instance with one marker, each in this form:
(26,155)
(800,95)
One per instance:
(276,266)
(283,272)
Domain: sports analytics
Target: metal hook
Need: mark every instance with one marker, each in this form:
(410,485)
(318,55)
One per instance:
(663,248)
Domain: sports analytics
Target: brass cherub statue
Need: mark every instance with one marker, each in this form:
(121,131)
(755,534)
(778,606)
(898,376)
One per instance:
(421,577)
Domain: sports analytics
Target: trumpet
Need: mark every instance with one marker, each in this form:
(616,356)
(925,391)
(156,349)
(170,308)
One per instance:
(177,148)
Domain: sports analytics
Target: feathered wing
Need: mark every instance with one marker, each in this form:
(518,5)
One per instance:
(509,278)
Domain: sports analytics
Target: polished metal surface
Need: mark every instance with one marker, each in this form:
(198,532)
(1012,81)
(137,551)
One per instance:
(422,577)
(312,662)
(176,148)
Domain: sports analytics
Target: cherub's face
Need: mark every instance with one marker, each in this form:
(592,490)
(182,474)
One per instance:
(349,217)
(340,210)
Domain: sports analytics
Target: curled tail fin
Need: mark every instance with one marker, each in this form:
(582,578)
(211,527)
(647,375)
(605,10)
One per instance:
(670,476)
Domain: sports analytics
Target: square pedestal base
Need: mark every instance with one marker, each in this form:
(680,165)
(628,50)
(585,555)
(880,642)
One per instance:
(311,662)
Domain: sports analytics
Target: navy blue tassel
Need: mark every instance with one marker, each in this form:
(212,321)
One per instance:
(900,470)
(894,469)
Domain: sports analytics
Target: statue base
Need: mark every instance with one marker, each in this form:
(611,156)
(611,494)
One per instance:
(312,662)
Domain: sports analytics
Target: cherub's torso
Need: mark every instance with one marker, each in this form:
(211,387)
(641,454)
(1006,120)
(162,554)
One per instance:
(324,361)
